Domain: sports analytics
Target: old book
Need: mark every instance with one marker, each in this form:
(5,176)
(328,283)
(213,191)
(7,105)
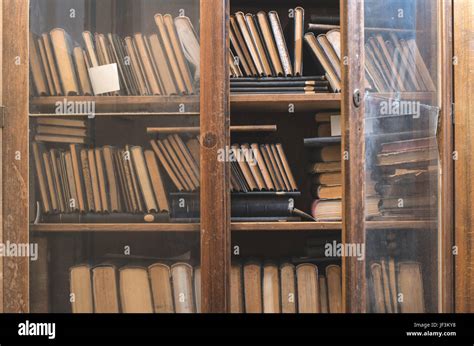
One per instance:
(236,291)
(271,289)
(244,29)
(56,171)
(327,210)
(276,167)
(61,130)
(323,295)
(271,166)
(90,48)
(104,285)
(135,292)
(263,167)
(146,188)
(161,62)
(190,43)
(114,52)
(253,166)
(94,181)
(235,70)
(61,122)
(46,69)
(288,288)
(87,176)
(193,160)
(244,166)
(164,162)
(328,179)
(330,54)
(51,189)
(253,287)
(269,42)
(286,167)
(112,182)
(59,139)
(124,193)
(324,130)
(257,40)
(176,160)
(197,288)
(73,201)
(78,179)
(281,168)
(81,289)
(393,283)
(182,278)
(298,41)
(410,285)
(82,73)
(160,280)
(156,181)
(324,167)
(280,43)
(62,166)
(178,50)
(51,64)
(62,52)
(173,165)
(334,38)
(134,180)
(386,287)
(144,57)
(239,42)
(328,192)
(377,284)
(102,178)
(308,288)
(136,68)
(183,160)
(36,67)
(334,284)
(331,153)
(420,65)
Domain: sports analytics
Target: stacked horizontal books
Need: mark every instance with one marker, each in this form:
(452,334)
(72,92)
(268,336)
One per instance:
(260,60)
(82,184)
(60,130)
(162,63)
(160,288)
(390,280)
(406,180)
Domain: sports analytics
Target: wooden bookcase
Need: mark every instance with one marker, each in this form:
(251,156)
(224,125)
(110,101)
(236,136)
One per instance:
(214,238)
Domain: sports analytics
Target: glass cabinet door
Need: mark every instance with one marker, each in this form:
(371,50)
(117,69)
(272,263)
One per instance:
(115,155)
(401,156)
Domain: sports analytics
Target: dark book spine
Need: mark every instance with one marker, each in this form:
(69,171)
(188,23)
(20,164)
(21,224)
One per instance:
(106,218)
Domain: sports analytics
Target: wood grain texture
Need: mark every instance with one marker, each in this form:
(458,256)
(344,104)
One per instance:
(1,155)
(15,158)
(353,143)
(215,175)
(464,145)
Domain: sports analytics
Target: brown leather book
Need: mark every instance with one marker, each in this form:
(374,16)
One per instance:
(244,29)
(242,64)
(124,157)
(298,41)
(77,169)
(46,69)
(255,34)
(180,170)
(394,70)
(137,71)
(197,289)
(269,162)
(160,279)
(164,162)
(334,282)
(188,156)
(178,52)
(235,70)
(328,192)
(94,181)
(323,295)
(377,284)
(82,73)
(52,64)
(61,131)
(90,49)
(102,177)
(236,291)
(147,64)
(36,67)
(263,167)
(156,181)
(61,122)
(330,54)
(104,287)
(124,193)
(286,167)
(50,183)
(53,155)
(170,53)
(182,278)
(59,139)
(86,174)
(134,178)
(125,83)
(279,166)
(253,287)
(393,283)
(193,177)
(328,179)
(194,148)
(331,153)
(271,289)
(410,285)
(80,285)
(324,167)
(386,287)
(288,288)
(269,42)
(172,163)
(141,169)
(190,43)
(161,62)
(243,46)
(308,288)
(420,65)
(244,168)
(110,171)
(254,169)
(280,43)
(62,163)
(135,292)
(62,52)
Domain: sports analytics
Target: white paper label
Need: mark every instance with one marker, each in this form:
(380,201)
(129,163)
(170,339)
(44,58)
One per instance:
(104,79)
(335,125)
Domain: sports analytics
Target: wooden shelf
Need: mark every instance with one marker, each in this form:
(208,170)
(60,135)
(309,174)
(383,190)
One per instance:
(286,226)
(114,227)
(281,102)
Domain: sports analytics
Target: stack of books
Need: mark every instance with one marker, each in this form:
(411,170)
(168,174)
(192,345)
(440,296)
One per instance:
(160,288)
(163,63)
(260,59)
(60,130)
(390,281)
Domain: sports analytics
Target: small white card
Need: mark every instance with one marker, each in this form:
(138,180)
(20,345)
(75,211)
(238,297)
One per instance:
(335,125)
(104,79)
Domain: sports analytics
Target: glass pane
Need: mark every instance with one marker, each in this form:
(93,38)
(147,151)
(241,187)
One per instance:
(402,159)
(114,138)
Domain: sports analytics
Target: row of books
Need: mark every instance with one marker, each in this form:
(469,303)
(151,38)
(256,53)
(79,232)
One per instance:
(160,288)
(60,130)
(396,287)
(161,63)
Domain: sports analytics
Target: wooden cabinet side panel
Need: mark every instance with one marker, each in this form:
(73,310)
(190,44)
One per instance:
(15,152)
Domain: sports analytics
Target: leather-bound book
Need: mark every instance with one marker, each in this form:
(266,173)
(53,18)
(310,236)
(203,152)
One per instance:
(271,289)
(135,292)
(236,290)
(143,178)
(253,287)
(280,43)
(36,67)
(288,289)
(308,288)
(81,289)
(160,279)
(334,283)
(182,278)
(104,285)
(63,54)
